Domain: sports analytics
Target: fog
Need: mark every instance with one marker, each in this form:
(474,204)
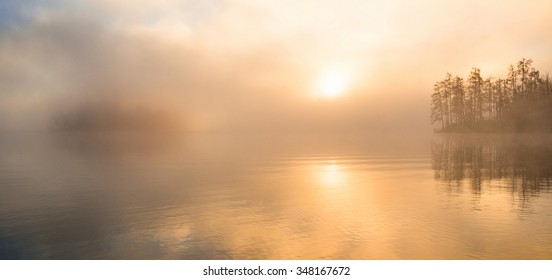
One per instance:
(250,65)
(251,129)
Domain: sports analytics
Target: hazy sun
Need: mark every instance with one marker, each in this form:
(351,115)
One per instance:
(333,83)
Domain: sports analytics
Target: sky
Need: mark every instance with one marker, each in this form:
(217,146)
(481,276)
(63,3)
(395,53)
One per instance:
(224,65)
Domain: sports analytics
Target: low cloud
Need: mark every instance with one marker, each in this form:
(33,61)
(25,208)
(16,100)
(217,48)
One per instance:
(250,65)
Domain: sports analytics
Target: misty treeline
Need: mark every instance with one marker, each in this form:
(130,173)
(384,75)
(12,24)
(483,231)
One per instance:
(519,102)
(113,115)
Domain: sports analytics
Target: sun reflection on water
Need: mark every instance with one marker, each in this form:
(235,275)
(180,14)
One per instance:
(331,175)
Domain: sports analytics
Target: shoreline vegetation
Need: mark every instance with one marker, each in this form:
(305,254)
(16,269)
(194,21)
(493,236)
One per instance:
(519,103)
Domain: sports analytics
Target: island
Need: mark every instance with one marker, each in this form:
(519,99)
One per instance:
(520,102)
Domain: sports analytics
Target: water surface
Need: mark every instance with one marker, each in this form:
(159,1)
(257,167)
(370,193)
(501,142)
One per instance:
(245,196)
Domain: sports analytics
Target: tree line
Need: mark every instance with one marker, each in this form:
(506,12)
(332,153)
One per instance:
(520,102)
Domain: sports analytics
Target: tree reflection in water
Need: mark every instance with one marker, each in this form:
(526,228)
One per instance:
(520,164)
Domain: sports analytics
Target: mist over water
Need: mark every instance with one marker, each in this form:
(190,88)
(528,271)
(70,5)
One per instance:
(252,129)
(253,196)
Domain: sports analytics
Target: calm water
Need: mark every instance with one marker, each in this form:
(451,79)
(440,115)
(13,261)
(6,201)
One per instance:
(222,196)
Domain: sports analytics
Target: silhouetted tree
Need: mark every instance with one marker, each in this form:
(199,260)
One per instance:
(523,69)
(475,96)
(521,101)
(437,105)
(458,99)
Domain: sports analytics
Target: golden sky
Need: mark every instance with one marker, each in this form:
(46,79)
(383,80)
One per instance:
(246,64)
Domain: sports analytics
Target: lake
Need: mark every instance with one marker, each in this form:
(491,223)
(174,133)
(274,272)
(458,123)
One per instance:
(271,196)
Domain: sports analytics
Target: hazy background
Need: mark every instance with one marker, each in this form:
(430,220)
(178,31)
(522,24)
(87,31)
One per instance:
(251,65)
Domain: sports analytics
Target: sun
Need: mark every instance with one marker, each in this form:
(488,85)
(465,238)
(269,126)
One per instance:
(333,83)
